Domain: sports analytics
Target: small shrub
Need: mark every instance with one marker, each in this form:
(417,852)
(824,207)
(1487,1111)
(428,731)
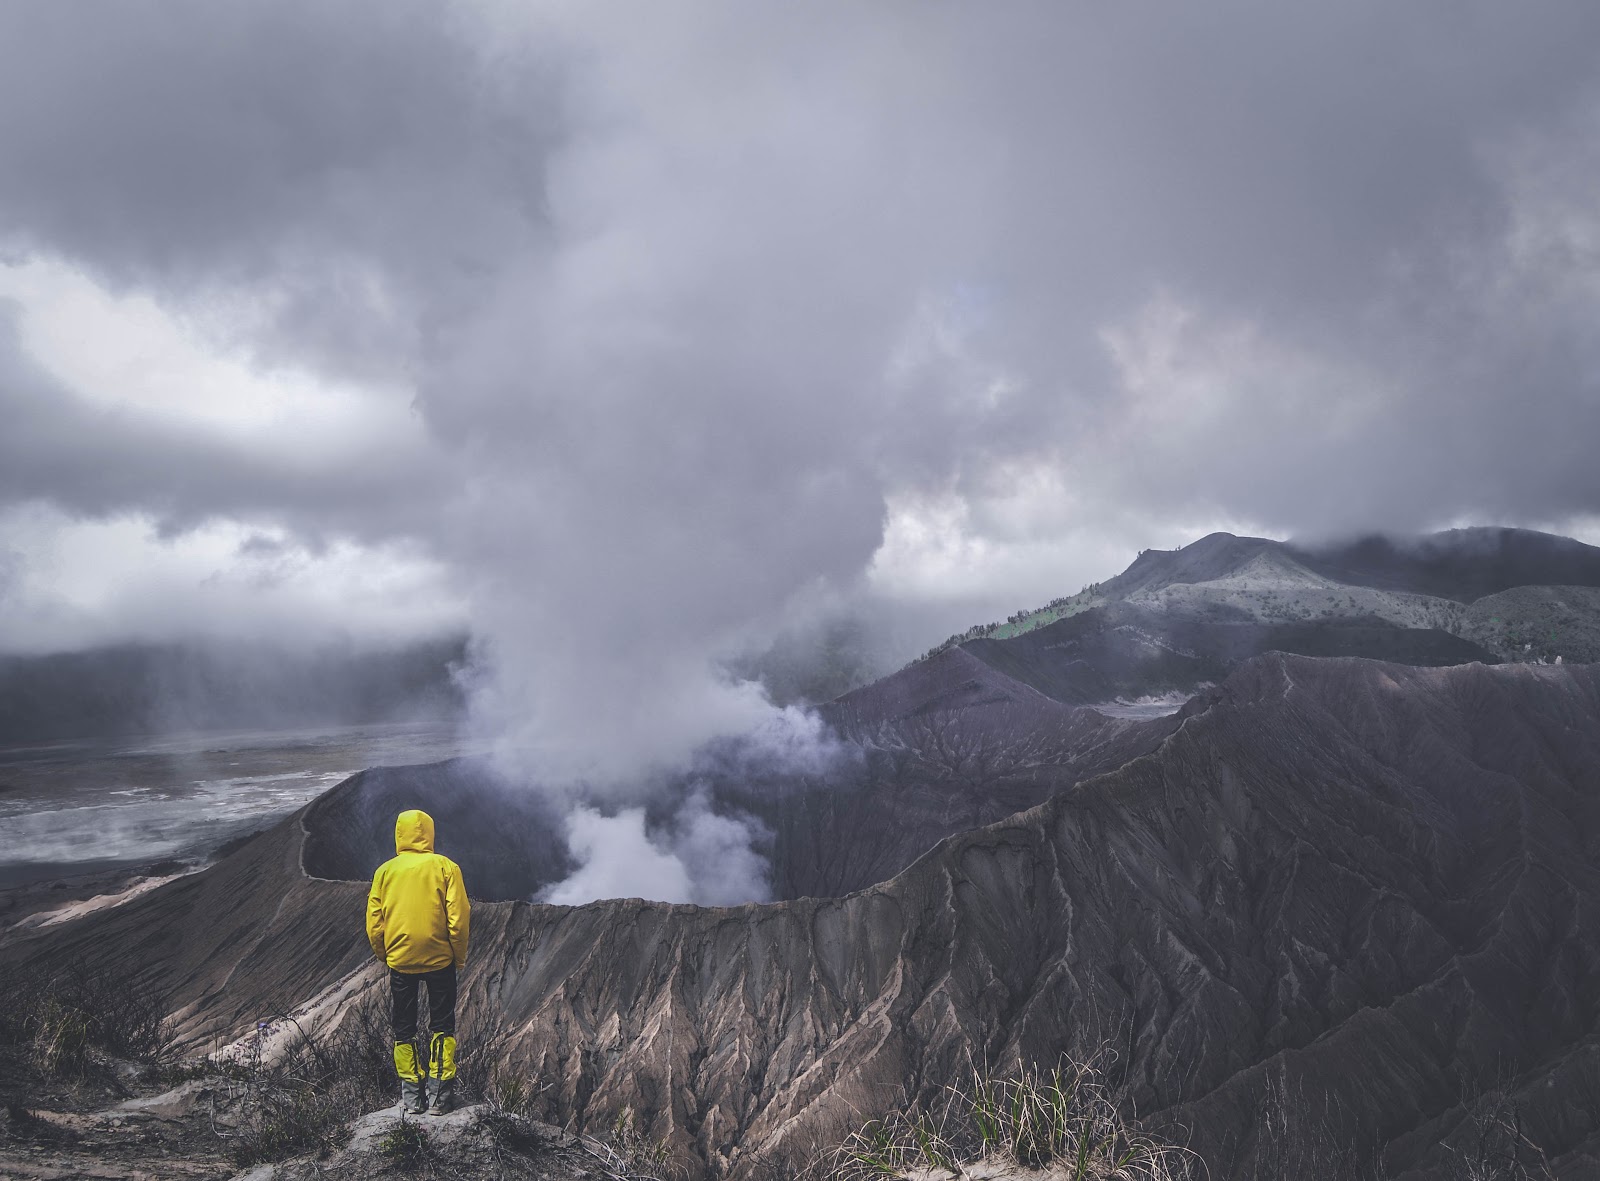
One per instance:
(280,1122)
(304,1099)
(361,1051)
(511,1094)
(406,1144)
(512,1132)
(60,1038)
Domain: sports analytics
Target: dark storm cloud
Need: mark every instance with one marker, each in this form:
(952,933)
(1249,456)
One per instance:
(685,294)
(327,157)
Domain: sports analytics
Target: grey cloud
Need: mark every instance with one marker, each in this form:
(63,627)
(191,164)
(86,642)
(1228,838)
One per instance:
(100,461)
(318,159)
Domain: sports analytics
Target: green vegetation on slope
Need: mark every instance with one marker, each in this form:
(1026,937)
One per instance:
(1025,621)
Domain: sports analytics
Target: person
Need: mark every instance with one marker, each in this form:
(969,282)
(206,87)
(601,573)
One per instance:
(418,920)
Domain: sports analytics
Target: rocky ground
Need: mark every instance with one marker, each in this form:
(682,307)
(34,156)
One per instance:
(466,1145)
(130,1125)
(86,1098)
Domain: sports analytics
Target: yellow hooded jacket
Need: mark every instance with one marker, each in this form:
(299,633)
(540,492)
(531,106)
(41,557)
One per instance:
(418,914)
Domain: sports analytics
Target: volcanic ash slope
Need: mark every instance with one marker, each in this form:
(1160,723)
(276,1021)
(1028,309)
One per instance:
(1342,908)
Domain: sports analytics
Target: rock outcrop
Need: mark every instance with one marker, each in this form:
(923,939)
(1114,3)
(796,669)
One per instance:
(1360,898)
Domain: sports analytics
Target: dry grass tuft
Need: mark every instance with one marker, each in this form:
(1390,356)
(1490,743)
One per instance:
(76,1018)
(1063,1121)
(626,1154)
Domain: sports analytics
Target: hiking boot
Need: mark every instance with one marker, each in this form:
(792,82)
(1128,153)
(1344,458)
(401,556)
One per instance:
(442,1066)
(413,1097)
(444,1096)
(413,1092)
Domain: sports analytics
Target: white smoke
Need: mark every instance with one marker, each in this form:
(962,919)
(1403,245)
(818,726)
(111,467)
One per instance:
(716,851)
(617,859)
(696,853)
(699,857)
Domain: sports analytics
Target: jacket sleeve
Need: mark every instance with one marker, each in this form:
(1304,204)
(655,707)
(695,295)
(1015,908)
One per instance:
(375,918)
(457,913)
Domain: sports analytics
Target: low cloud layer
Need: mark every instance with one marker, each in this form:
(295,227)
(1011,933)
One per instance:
(646,332)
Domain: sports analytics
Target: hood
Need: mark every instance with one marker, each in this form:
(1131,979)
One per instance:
(413,832)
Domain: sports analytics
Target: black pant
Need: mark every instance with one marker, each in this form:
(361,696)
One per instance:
(441,1001)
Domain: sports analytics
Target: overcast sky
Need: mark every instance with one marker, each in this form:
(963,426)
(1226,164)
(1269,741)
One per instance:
(626,333)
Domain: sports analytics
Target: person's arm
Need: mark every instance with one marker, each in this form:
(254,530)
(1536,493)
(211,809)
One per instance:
(375,918)
(457,913)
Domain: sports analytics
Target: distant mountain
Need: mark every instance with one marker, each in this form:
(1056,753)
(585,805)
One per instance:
(1344,916)
(1177,619)
(1457,564)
